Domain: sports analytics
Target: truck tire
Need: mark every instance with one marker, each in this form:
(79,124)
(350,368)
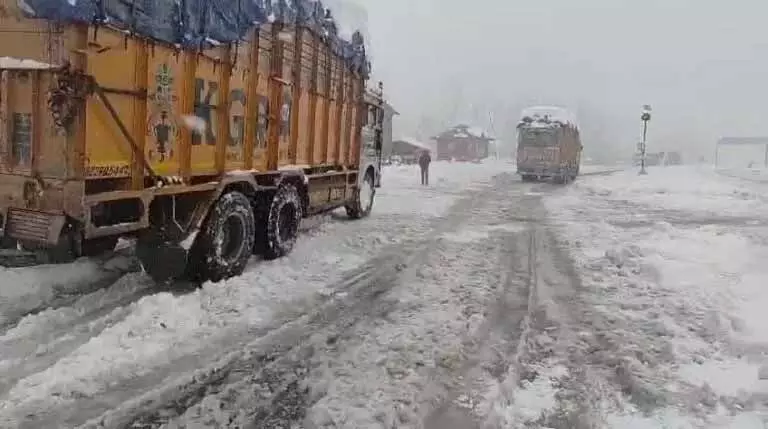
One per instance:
(226,241)
(282,223)
(362,203)
(528,178)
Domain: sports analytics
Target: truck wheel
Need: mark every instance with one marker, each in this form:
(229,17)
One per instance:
(528,178)
(226,242)
(362,204)
(282,223)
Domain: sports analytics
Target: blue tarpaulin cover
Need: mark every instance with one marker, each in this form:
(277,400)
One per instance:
(200,23)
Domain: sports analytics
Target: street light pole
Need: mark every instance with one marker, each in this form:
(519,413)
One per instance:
(645,117)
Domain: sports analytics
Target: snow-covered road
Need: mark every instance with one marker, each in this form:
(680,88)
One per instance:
(478,302)
(673,275)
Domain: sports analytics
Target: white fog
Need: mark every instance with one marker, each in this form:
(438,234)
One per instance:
(700,64)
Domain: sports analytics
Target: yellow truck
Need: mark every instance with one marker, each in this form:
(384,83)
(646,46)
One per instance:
(206,129)
(548,145)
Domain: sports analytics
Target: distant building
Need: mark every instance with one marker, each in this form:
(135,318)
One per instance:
(407,150)
(387,125)
(463,143)
(741,152)
(658,158)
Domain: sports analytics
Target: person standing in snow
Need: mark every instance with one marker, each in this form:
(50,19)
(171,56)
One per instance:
(424,160)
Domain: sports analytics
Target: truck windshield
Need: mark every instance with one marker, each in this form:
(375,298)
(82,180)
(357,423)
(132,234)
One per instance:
(537,137)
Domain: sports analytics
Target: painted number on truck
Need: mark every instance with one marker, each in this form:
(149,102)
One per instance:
(205,108)
(337,193)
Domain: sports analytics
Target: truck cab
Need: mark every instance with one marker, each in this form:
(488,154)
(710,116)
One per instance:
(372,135)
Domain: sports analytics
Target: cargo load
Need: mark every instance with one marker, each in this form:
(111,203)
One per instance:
(206,129)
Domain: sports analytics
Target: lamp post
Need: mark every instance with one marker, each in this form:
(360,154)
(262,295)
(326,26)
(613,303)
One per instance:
(645,117)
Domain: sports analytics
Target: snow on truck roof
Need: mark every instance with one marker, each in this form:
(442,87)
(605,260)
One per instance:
(555,114)
(203,23)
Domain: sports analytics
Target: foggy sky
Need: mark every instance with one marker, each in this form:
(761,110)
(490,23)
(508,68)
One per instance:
(702,65)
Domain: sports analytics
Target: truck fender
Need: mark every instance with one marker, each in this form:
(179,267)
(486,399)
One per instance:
(366,168)
(298,179)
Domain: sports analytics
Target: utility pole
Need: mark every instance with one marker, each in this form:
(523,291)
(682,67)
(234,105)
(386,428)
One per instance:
(645,117)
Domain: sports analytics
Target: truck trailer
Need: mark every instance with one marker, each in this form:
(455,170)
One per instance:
(204,129)
(549,145)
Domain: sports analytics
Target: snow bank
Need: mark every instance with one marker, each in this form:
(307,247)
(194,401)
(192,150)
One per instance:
(173,334)
(674,263)
(25,290)
(681,188)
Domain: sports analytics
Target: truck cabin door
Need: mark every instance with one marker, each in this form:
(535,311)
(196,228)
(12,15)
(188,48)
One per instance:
(372,139)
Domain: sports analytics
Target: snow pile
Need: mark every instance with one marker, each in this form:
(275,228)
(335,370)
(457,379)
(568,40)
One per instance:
(673,264)
(25,290)
(677,188)
(167,335)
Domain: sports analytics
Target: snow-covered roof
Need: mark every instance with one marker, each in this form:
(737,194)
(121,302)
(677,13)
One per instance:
(415,143)
(463,131)
(554,113)
(743,141)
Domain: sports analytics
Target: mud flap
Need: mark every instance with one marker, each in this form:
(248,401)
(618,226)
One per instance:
(161,259)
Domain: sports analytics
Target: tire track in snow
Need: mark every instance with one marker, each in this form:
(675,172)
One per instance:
(498,337)
(109,269)
(263,385)
(39,338)
(532,339)
(44,343)
(496,345)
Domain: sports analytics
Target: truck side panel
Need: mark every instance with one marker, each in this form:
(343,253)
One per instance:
(189,114)
(570,148)
(333,104)
(323,108)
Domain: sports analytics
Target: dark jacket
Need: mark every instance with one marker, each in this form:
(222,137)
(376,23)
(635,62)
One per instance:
(424,159)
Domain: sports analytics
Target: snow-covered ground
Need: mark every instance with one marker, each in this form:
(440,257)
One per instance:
(674,276)
(73,362)
(618,301)
(757,174)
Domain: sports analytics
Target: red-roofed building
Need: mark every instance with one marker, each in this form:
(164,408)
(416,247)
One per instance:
(462,143)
